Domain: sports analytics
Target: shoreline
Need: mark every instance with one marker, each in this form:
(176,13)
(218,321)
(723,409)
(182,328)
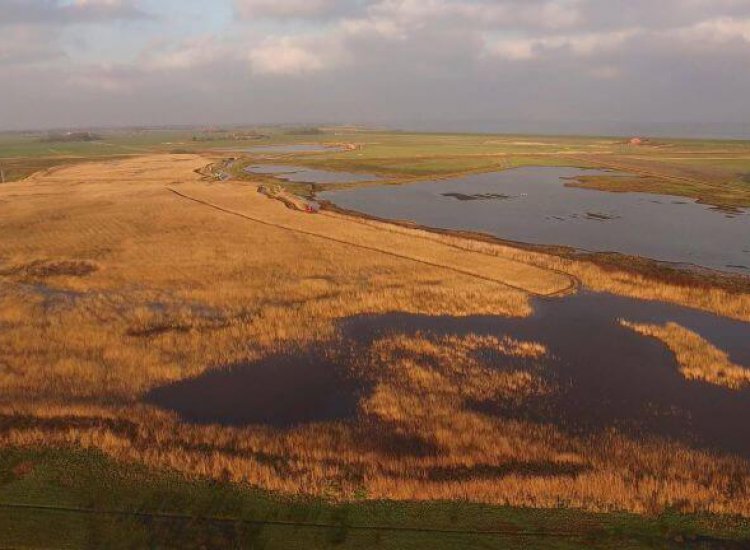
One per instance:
(657,270)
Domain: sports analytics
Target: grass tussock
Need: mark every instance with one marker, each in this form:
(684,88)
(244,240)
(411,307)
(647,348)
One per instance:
(698,358)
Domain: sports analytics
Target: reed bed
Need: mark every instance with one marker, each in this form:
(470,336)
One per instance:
(416,437)
(112,285)
(698,358)
(687,291)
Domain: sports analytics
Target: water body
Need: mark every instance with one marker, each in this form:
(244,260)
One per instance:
(281,149)
(281,391)
(605,375)
(300,174)
(533,205)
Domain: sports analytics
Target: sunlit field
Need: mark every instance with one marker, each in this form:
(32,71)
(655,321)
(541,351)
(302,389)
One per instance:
(134,269)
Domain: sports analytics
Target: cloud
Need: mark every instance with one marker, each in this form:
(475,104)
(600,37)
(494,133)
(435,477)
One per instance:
(259,9)
(32,32)
(661,15)
(57,12)
(547,14)
(24,44)
(417,13)
(374,60)
(586,44)
(720,30)
(190,53)
(284,58)
(101,79)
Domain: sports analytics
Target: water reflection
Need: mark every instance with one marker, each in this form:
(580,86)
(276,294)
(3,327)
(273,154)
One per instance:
(533,205)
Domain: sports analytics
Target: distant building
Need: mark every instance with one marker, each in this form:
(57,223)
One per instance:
(637,141)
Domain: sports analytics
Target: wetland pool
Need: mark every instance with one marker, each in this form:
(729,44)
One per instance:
(284,149)
(533,205)
(300,174)
(605,375)
(283,390)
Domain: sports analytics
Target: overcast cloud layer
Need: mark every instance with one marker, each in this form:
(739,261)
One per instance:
(614,66)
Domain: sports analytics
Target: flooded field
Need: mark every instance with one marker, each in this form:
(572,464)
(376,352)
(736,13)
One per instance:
(603,374)
(300,174)
(606,375)
(533,205)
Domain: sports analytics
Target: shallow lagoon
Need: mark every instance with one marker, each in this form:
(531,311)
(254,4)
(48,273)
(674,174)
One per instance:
(533,205)
(300,174)
(282,149)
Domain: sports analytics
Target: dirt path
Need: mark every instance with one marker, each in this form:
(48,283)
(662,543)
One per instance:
(570,285)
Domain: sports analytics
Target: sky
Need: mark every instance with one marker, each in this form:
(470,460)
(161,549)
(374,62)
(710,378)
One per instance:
(550,66)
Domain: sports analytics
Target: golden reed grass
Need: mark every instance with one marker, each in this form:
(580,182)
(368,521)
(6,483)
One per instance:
(111,285)
(598,278)
(416,437)
(698,358)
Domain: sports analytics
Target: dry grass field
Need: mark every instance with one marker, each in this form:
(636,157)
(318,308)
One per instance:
(714,296)
(105,264)
(119,277)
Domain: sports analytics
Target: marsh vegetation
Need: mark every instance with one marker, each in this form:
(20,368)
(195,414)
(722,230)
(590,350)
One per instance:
(445,366)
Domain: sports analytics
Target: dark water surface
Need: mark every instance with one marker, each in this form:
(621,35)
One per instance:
(300,174)
(533,205)
(281,391)
(606,375)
